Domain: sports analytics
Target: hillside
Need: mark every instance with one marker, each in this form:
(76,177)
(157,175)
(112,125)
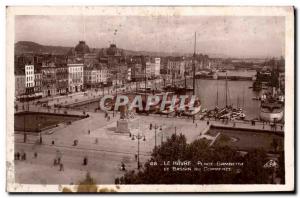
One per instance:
(32,47)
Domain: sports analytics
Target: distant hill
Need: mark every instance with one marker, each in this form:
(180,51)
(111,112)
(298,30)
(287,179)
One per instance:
(32,47)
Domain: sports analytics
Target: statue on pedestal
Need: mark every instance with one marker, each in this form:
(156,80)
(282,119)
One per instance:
(123,122)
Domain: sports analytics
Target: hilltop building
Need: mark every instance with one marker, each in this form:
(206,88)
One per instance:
(112,56)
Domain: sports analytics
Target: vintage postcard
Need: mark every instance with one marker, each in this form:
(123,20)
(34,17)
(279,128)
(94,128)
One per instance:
(150,99)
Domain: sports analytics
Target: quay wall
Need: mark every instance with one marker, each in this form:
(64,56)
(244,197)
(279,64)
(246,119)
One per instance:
(248,129)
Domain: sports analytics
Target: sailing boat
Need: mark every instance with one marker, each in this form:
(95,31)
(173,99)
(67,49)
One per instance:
(229,112)
(195,109)
(243,115)
(217,102)
(238,112)
(224,113)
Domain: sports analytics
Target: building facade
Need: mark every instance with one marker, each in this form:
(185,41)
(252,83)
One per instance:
(75,77)
(92,77)
(176,68)
(156,67)
(49,79)
(62,83)
(104,75)
(29,79)
(20,82)
(149,69)
(37,82)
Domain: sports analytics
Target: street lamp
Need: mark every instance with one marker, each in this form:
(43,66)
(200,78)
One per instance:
(138,137)
(162,135)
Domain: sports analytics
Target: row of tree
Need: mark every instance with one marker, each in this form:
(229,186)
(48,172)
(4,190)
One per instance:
(176,148)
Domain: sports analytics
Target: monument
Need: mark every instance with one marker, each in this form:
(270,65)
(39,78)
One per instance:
(123,122)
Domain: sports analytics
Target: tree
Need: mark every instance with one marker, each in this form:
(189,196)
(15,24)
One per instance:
(176,149)
(87,185)
(253,171)
(274,145)
(281,169)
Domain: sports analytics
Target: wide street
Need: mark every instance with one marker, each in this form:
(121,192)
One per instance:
(104,148)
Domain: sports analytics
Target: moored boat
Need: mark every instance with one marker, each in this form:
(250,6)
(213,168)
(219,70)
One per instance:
(271,110)
(195,109)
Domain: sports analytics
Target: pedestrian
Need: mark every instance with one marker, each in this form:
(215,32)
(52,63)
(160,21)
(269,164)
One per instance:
(58,160)
(61,167)
(207,122)
(85,161)
(52,142)
(89,132)
(24,156)
(96,141)
(35,154)
(135,157)
(54,162)
(25,137)
(122,166)
(18,156)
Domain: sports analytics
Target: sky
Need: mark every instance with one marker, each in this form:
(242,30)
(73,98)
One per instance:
(233,36)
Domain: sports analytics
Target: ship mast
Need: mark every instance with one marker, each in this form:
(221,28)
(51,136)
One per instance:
(217,93)
(194,71)
(226,88)
(194,67)
(243,97)
(145,75)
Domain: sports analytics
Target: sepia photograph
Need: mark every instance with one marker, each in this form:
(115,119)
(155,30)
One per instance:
(150,99)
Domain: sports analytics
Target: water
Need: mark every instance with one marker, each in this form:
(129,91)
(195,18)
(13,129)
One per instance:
(206,90)
(37,121)
(88,107)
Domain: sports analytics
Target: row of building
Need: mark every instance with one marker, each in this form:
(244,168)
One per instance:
(52,79)
(82,68)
